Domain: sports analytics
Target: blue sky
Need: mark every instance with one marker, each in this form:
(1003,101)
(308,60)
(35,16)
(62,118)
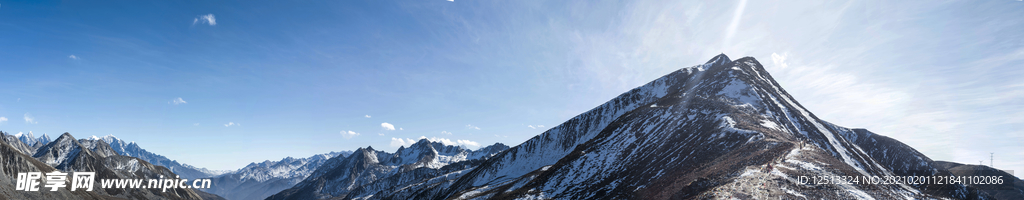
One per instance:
(262,80)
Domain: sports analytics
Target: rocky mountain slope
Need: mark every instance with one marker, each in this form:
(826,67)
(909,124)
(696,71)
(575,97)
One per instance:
(14,161)
(259,180)
(18,144)
(1013,188)
(66,154)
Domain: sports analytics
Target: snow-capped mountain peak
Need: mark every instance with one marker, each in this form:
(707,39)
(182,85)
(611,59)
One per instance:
(31,140)
(134,150)
(719,60)
(44,139)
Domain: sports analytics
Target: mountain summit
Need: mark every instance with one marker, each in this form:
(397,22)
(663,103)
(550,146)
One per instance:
(724,129)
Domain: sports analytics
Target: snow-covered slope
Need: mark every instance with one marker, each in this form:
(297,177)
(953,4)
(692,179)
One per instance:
(259,180)
(132,149)
(723,129)
(368,172)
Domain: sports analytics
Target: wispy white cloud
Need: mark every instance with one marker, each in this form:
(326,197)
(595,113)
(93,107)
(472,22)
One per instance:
(446,133)
(229,124)
(73,57)
(29,119)
(177,101)
(367,116)
(3,119)
(447,141)
(387,126)
(470,126)
(396,142)
(349,134)
(780,60)
(535,127)
(196,124)
(205,19)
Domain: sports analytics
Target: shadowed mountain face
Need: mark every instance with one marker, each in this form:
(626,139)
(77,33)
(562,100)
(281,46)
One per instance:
(723,129)
(1014,190)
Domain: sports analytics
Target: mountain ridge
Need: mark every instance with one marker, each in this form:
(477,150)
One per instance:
(134,150)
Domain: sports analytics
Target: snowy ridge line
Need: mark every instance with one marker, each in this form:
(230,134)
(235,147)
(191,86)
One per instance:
(555,143)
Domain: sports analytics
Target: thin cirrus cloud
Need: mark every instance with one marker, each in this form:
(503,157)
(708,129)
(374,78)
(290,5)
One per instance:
(397,142)
(29,119)
(470,126)
(387,126)
(535,127)
(230,124)
(367,116)
(3,119)
(349,134)
(205,19)
(446,133)
(73,57)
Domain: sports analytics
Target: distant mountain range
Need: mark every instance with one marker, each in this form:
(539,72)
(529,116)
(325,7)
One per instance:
(132,149)
(369,173)
(259,180)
